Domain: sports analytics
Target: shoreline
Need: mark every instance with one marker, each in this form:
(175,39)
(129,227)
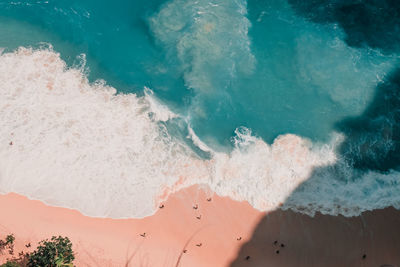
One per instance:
(111,242)
(227,230)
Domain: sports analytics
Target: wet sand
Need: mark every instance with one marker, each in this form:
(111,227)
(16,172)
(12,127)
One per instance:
(220,232)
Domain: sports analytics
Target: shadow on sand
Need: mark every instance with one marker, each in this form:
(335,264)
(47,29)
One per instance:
(372,239)
(287,238)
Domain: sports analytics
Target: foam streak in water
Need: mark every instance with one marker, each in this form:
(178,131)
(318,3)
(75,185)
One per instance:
(209,38)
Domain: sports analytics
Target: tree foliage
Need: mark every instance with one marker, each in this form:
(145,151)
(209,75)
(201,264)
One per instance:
(56,252)
(7,243)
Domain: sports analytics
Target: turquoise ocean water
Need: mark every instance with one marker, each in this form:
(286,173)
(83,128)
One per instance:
(286,75)
(308,68)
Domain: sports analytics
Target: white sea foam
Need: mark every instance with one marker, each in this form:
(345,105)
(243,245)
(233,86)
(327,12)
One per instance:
(325,193)
(82,146)
(265,175)
(159,111)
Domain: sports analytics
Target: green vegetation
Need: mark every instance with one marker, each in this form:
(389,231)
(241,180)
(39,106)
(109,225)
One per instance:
(8,243)
(56,252)
(10,264)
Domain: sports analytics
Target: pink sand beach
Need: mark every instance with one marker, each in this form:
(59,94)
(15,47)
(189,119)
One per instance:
(116,242)
(220,232)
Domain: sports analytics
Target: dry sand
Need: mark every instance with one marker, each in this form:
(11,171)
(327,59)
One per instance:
(320,241)
(111,242)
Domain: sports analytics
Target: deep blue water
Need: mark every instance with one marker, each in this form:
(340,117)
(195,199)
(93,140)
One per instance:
(304,67)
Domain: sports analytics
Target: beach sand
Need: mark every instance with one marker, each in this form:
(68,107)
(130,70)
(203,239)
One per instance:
(308,241)
(111,242)
(371,239)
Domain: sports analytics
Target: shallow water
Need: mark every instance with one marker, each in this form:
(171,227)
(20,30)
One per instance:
(226,79)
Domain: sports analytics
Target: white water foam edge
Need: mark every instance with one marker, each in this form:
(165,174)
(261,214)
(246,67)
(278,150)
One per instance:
(80,145)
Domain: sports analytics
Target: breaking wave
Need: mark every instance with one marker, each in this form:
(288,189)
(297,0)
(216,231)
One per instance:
(81,145)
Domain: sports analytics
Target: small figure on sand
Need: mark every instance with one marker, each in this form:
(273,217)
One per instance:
(282,245)
(277,252)
(275,242)
(247,258)
(143,235)
(199,244)
(184,251)
(209,199)
(239,238)
(195,206)
(364,256)
(11,143)
(198,217)
(161,206)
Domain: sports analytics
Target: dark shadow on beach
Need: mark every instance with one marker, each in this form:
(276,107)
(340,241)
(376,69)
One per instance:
(288,238)
(372,239)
